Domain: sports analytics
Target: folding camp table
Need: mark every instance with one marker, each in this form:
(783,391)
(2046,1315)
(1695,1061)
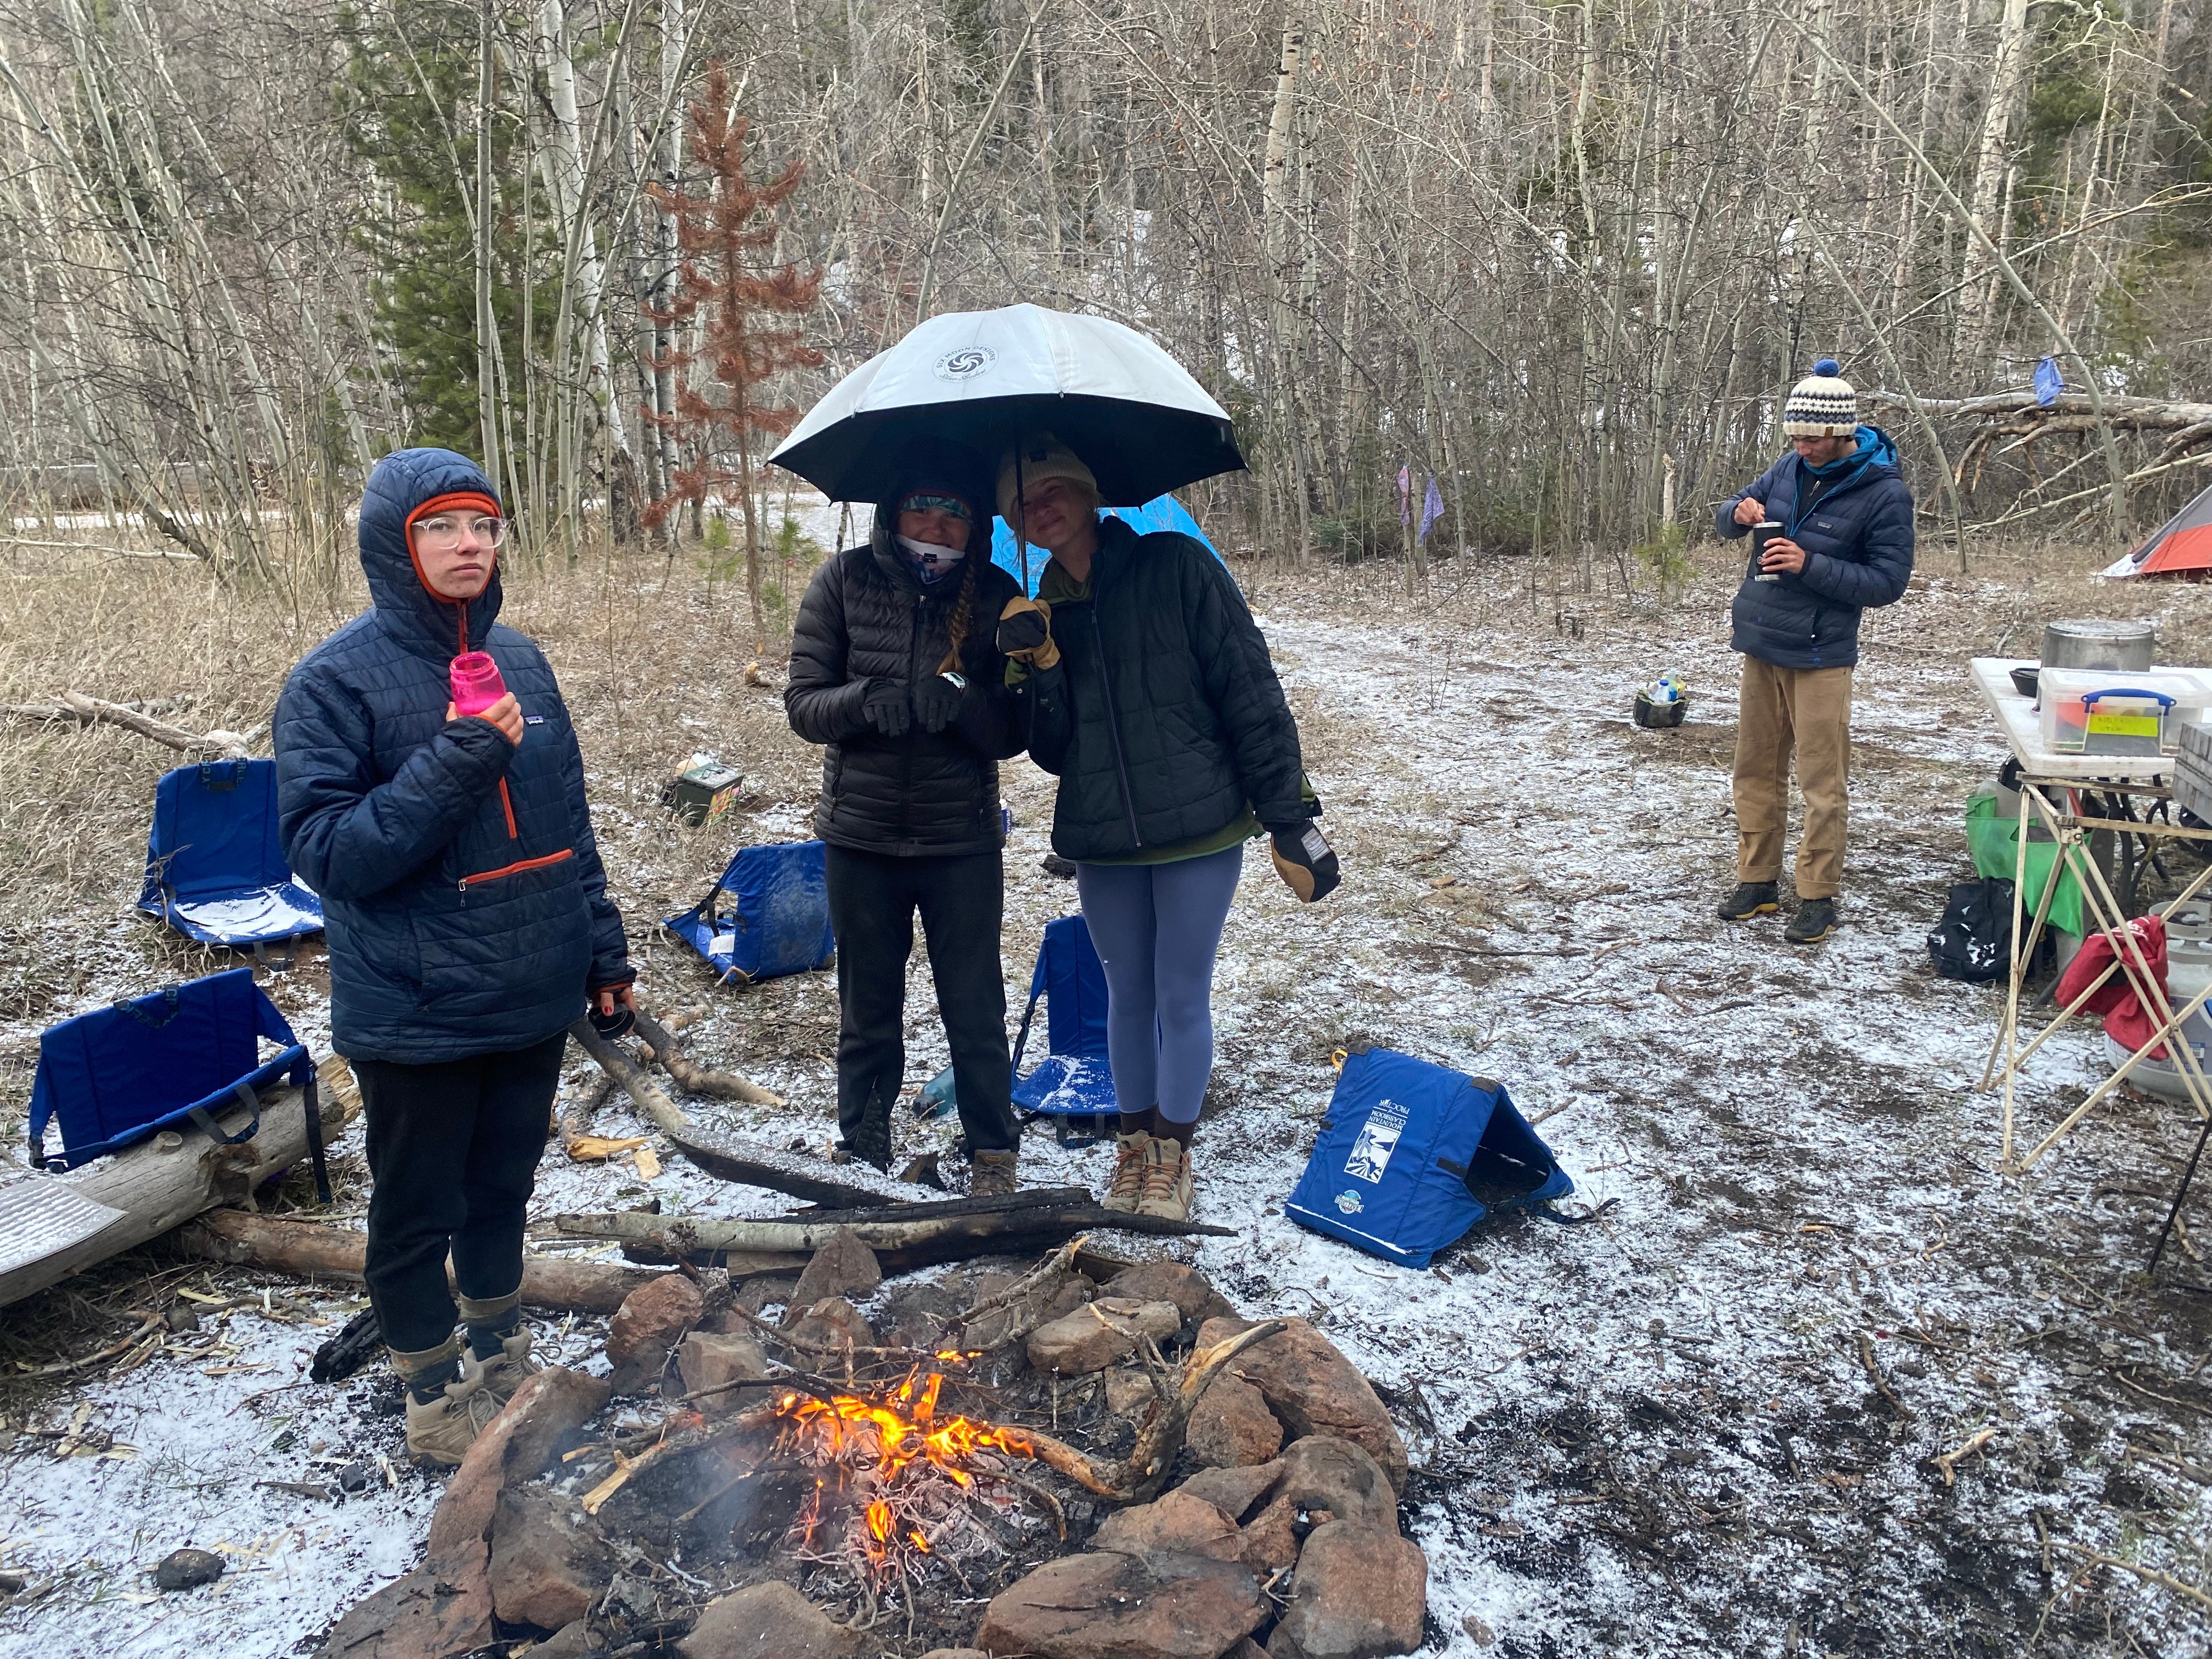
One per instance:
(2059,792)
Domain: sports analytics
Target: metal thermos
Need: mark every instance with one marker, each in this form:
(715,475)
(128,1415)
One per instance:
(1761,533)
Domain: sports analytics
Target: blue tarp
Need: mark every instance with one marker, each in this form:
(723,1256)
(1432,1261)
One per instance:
(115,1075)
(767,915)
(1073,1079)
(1161,512)
(1411,1155)
(214,866)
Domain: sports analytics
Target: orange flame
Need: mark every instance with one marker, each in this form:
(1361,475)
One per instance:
(894,1434)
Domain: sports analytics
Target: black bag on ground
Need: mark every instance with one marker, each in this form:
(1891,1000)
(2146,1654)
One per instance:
(1974,941)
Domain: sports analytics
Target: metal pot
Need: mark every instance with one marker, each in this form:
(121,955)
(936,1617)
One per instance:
(2087,642)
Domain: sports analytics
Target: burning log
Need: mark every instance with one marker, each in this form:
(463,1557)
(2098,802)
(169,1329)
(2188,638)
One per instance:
(913,1235)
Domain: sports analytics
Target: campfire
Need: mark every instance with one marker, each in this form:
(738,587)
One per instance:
(1062,1465)
(894,1483)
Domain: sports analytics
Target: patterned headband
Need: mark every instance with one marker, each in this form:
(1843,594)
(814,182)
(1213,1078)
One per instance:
(922,503)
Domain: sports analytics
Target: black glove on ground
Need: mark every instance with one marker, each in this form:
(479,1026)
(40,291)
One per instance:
(1303,860)
(937,703)
(885,707)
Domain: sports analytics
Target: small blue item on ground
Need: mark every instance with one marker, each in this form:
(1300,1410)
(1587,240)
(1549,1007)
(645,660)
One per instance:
(1161,512)
(215,864)
(1074,1080)
(769,916)
(937,1098)
(119,1074)
(1411,1155)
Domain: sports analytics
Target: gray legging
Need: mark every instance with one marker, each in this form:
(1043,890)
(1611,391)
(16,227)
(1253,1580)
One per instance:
(1157,927)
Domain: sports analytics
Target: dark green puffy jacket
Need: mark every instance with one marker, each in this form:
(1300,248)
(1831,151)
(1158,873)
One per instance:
(1163,717)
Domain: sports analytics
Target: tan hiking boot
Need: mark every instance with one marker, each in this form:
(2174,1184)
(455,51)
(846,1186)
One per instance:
(441,1430)
(505,1372)
(1167,1180)
(991,1174)
(1124,1191)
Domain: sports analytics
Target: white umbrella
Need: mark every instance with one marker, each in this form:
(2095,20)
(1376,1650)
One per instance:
(988,378)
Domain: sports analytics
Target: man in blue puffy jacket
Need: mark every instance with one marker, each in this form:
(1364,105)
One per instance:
(467,922)
(1844,543)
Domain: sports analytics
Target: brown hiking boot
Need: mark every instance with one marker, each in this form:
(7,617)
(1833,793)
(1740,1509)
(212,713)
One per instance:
(991,1174)
(1127,1188)
(505,1372)
(1167,1180)
(441,1430)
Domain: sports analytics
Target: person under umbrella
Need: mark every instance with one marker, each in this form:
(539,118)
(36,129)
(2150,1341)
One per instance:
(894,669)
(1145,684)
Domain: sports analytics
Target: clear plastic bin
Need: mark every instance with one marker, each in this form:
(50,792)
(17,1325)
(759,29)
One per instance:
(2106,711)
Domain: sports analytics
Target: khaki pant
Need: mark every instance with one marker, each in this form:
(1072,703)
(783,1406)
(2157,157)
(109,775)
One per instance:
(1809,710)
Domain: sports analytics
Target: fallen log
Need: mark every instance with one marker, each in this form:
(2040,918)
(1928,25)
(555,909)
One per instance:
(898,1242)
(53,1225)
(644,1094)
(747,1163)
(663,1050)
(94,710)
(796,1175)
(311,1250)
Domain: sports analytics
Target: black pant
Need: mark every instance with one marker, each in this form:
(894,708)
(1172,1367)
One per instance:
(454,1152)
(872,899)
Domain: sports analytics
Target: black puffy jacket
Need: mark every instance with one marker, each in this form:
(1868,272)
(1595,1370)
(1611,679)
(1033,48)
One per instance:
(1163,717)
(466,907)
(867,617)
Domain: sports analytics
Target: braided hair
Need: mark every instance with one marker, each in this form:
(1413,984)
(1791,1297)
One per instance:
(962,609)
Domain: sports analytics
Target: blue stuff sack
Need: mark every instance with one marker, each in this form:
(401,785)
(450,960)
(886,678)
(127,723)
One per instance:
(1411,1155)
(767,915)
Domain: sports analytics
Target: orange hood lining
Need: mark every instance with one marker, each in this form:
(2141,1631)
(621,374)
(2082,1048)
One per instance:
(451,501)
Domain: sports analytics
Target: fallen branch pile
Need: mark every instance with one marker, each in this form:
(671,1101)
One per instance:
(76,709)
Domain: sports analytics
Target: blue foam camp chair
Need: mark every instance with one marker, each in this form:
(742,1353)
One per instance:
(1073,1084)
(121,1073)
(214,867)
(767,915)
(1411,1155)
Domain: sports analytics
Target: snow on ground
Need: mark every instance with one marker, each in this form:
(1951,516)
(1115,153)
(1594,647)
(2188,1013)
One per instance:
(1695,1411)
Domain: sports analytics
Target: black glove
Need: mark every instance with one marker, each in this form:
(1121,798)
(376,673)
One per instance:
(1303,860)
(885,707)
(1025,633)
(937,703)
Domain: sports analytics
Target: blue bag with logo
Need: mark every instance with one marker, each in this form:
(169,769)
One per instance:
(1411,1155)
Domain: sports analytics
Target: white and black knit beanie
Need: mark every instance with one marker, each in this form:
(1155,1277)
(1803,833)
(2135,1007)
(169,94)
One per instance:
(1822,404)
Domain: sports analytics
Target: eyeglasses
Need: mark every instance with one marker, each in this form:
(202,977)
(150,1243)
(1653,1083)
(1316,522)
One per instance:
(443,533)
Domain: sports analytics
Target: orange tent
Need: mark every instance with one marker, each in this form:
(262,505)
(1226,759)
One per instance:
(2181,546)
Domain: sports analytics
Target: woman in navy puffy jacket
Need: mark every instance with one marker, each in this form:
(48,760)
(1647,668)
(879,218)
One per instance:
(468,921)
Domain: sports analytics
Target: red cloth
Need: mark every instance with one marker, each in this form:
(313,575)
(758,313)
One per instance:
(2127,1022)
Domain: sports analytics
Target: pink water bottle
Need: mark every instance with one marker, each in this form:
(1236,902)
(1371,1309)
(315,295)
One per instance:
(476,682)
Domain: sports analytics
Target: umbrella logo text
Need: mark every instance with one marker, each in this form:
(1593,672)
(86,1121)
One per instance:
(966,363)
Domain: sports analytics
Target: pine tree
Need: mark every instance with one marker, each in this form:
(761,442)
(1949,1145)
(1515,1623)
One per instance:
(411,93)
(722,229)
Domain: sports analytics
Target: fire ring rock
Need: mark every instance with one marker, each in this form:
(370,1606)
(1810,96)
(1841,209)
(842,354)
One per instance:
(1359,1592)
(1100,1334)
(1231,1427)
(767,1621)
(1106,1606)
(1312,1389)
